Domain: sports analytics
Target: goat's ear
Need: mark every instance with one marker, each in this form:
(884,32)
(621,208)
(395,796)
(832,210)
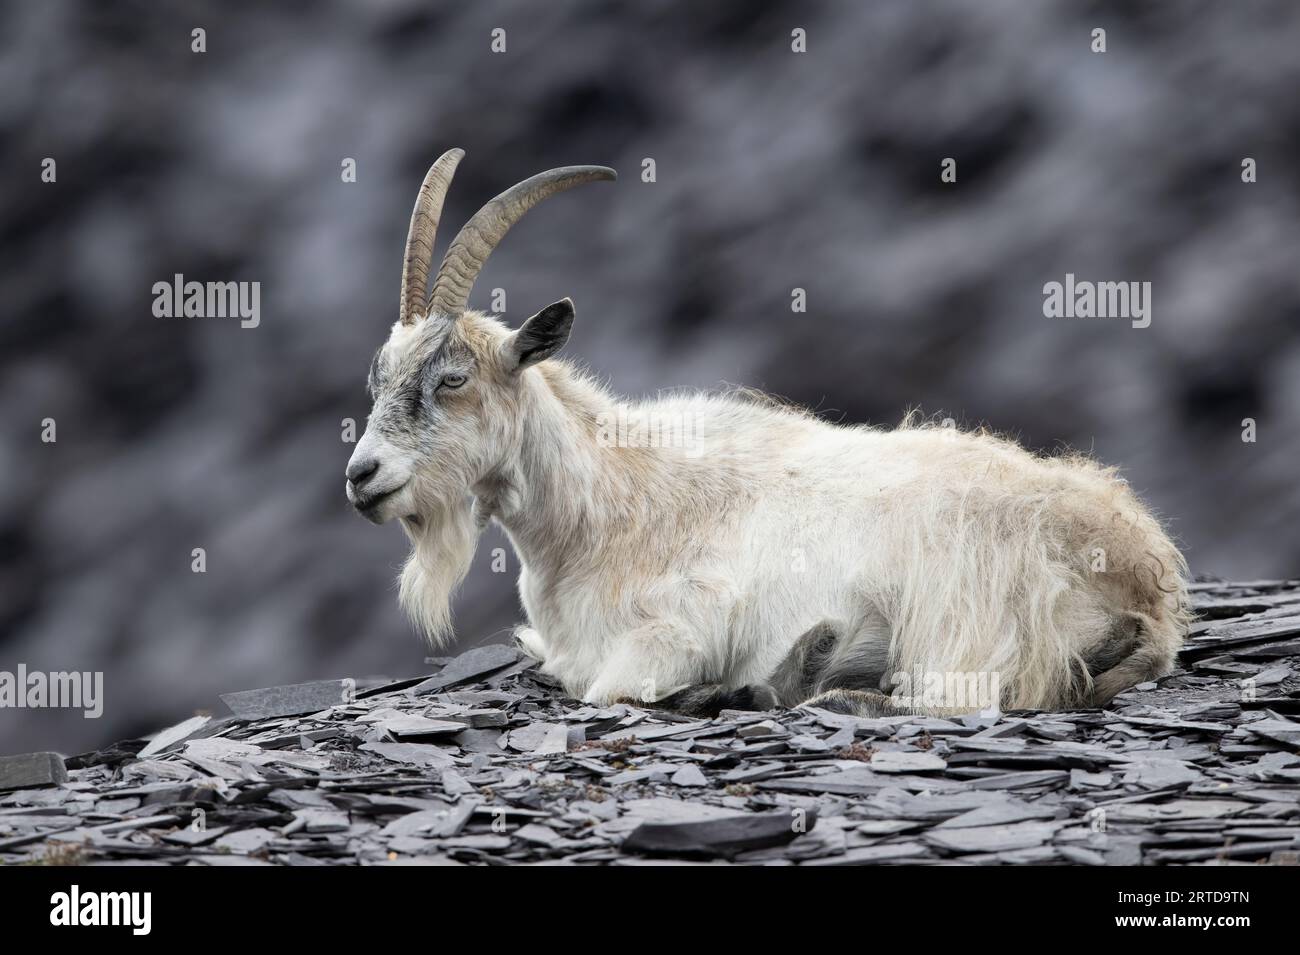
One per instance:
(540,337)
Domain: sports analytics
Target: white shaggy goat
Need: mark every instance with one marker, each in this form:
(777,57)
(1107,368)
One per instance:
(713,550)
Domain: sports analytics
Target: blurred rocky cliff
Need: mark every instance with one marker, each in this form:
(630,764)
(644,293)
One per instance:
(775,170)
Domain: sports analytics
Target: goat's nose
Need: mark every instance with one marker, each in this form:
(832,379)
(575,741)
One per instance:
(359,472)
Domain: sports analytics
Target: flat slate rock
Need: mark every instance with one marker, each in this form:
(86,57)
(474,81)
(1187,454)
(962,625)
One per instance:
(417,754)
(689,775)
(993,838)
(906,762)
(32,769)
(469,666)
(293,700)
(415,727)
(486,762)
(719,836)
(174,735)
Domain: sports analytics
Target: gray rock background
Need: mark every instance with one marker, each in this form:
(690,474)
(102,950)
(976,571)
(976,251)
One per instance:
(775,170)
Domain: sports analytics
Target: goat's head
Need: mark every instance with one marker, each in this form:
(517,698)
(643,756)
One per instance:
(445,385)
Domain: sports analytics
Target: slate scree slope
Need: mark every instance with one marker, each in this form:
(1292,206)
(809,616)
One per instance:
(746,553)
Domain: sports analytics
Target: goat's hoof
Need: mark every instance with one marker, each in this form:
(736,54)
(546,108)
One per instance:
(530,642)
(753,696)
(710,699)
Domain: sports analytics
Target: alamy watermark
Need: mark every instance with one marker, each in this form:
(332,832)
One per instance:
(947,689)
(181,299)
(1084,299)
(75,907)
(36,689)
(650,429)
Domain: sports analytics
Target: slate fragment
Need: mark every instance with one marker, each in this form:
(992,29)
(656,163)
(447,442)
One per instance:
(554,740)
(484,719)
(906,762)
(1151,771)
(30,770)
(479,741)
(123,751)
(431,823)
(293,700)
(194,837)
(246,841)
(417,754)
(173,735)
(725,836)
(890,853)
(886,827)
(1027,780)
(468,666)
(416,727)
(689,775)
(1281,731)
(993,838)
(998,813)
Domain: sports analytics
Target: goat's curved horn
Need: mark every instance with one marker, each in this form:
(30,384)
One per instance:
(424,225)
(478,237)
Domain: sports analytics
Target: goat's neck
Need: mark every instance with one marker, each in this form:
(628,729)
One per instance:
(555,494)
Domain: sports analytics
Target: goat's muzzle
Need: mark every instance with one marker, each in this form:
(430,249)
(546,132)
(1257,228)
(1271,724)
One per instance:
(366,491)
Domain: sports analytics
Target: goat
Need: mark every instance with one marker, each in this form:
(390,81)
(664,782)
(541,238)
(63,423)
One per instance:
(771,559)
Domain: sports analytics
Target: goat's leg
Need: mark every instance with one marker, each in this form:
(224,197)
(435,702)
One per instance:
(839,671)
(798,676)
(822,664)
(1117,647)
(1123,661)
(648,664)
(710,699)
(867,703)
(795,677)
(531,642)
(860,660)
(830,656)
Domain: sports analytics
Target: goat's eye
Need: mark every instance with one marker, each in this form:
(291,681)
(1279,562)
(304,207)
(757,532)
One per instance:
(452,381)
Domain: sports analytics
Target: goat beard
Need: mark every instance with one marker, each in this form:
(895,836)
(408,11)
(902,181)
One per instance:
(443,543)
